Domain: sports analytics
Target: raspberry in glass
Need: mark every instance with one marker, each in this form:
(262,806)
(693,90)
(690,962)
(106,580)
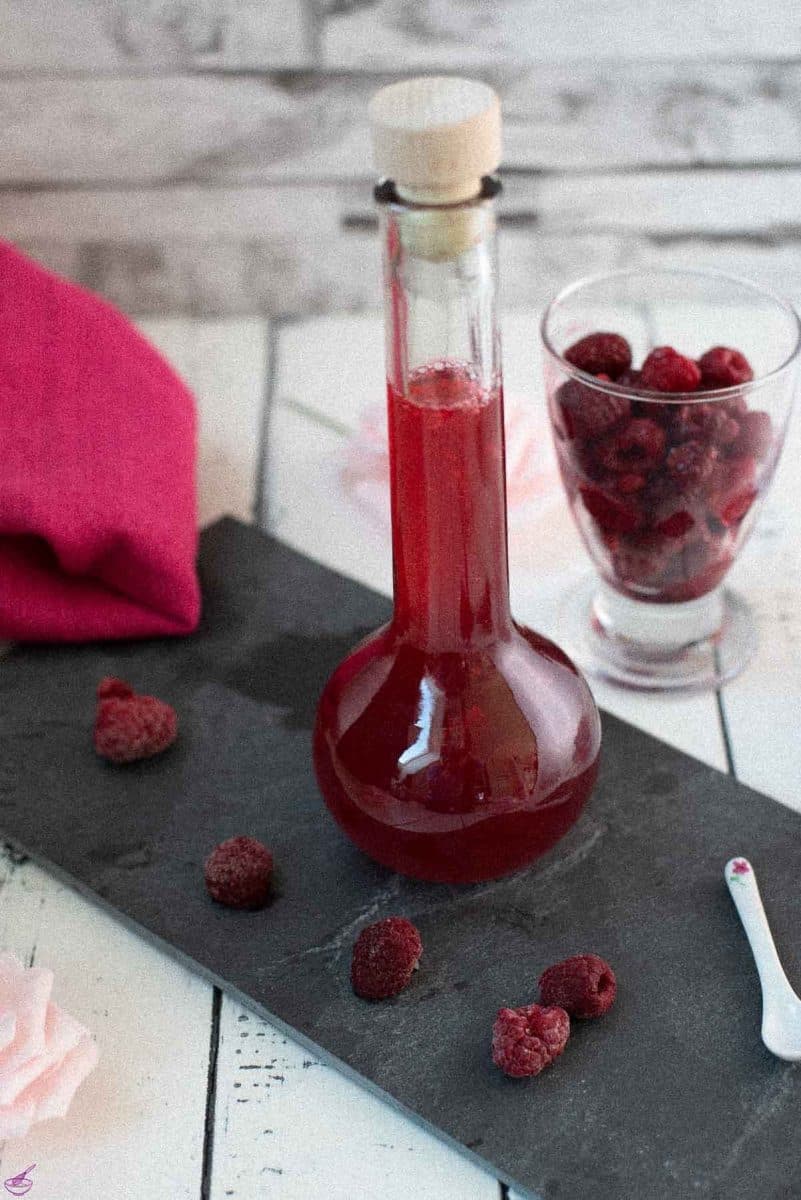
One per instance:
(612,514)
(665,370)
(690,464)
(600,354)
(640,559)
(723,367)
(754,437)
(587,412)
(637,446)
(711,422)
(733,489)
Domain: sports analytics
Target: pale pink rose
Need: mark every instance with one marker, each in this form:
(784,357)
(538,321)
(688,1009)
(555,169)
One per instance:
(45,1054)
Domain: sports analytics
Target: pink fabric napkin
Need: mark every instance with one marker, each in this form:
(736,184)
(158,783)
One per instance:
(98,523)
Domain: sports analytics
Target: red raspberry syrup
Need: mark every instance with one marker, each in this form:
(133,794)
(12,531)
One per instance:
(453,745)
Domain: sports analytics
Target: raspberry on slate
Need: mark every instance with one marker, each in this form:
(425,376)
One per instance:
(584,985)
(128,726)
(634,448)
(525,1040)
(111,686)
(238,873)
(385,956)
(600,354)
(665,370)
(587,412)
(722,367)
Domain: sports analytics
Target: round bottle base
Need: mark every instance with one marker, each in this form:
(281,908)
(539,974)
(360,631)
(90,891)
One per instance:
(657,647)
(456,767)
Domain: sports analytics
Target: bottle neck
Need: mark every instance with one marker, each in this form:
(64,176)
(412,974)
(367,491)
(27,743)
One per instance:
(445,411)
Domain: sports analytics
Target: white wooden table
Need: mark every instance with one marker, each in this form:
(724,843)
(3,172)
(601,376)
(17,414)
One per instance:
(195,1097)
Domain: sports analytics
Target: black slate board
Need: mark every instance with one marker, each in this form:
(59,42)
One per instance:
(672,1095)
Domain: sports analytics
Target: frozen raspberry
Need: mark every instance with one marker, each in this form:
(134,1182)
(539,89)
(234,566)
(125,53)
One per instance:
(385,957)
(587,412)
(129,727)
(636,447)
(583,455)
(754,435)
(601,354)
(111,686)
(611,513)
(630,378)
(676,525)
(640,559)
(698,567)
(629,483)
(665,370)
(722,367)
(705,422)
(525,1040)
(735,406)
(585,985)
(729,432)
(690,464)
(238,873)
(733,489)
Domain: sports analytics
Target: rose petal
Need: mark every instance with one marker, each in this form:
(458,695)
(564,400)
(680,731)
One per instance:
(8,1027)
(16,1120)
(52,1094)
(27,992)
(62,1034)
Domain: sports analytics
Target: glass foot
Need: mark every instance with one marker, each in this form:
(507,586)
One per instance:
(657,647)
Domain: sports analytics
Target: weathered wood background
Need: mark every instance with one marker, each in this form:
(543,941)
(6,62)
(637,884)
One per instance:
(210,157)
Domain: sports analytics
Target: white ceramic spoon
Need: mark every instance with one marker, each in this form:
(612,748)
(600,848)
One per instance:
(781,1007)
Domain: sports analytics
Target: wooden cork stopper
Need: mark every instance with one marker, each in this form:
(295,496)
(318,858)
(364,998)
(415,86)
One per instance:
(436,137)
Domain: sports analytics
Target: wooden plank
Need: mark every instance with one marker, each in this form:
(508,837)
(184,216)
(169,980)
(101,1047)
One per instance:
(456,35)
(202,252)
(137,1124)
(161,128)
(602,114)
(290,274)
(658,204)
(289,1126)
(145,36)
(226,365)
(227,128)
(237,251)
